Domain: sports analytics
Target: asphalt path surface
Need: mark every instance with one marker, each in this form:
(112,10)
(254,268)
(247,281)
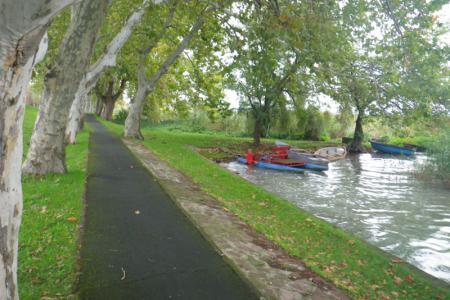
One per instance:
(137,244)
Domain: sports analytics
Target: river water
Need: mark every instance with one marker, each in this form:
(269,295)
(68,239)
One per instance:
(377,199)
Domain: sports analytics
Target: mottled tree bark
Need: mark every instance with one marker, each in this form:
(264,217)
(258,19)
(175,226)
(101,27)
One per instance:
(47,147)
(22,44)
(358,136)
(98,107)
(133,120)
(108,59)
(76,117)
(110,98)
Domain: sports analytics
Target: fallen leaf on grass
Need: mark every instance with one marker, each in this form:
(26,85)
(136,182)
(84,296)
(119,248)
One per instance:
(409,278)
(263,204)
(396,260)
(72,219)
(397,280)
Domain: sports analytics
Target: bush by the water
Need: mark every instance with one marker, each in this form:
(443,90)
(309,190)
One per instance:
(437,167)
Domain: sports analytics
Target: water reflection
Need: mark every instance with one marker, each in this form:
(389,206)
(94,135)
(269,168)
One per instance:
(376,198)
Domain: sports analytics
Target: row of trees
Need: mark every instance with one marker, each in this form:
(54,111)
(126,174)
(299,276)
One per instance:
(377,57)
(81,58)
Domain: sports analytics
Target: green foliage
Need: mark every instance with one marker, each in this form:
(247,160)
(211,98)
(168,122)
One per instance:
(49,234)
(275,52)
(393,65)
(55,32)
(120,115)
(315,124)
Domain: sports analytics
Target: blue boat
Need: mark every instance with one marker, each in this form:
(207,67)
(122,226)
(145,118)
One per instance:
(270,166)
(391,149)
(315,167)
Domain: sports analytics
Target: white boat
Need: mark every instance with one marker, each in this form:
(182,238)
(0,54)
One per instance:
(332,153)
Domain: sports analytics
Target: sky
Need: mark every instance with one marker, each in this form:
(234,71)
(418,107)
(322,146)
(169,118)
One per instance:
(326,103)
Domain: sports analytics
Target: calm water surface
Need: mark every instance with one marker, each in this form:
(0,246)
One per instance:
(376,198)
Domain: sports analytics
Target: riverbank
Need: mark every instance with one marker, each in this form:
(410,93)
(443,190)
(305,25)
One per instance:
(48,241)
(360,269)
(266,267)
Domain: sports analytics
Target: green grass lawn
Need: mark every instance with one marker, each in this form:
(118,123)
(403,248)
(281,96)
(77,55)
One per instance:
(48,242)
(362,270)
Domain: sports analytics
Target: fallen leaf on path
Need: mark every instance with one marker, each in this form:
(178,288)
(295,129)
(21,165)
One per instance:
(72,219)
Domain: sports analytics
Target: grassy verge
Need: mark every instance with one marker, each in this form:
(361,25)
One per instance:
(49,232)
(362,270)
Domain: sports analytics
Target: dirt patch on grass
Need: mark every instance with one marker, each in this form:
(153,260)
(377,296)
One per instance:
(227,154)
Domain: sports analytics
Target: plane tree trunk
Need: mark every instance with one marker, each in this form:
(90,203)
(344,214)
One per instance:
(47,146)
(358,136)
(89,81)
(23,25)
(109,98)
(76,117)
(98,107)
(257,132)
(146,86)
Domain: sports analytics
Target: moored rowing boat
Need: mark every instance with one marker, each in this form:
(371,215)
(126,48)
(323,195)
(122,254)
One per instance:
(391,149)
(270,166)
(332,153)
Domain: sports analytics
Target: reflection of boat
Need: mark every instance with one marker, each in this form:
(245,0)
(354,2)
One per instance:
(271,166)
(391,149)
(332,153)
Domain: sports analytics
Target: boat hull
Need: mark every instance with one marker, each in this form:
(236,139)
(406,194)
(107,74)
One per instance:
(309,159)
(270,166)
(332,153)
(391,149)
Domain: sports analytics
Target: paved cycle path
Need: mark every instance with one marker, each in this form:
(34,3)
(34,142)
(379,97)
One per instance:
(137,244)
